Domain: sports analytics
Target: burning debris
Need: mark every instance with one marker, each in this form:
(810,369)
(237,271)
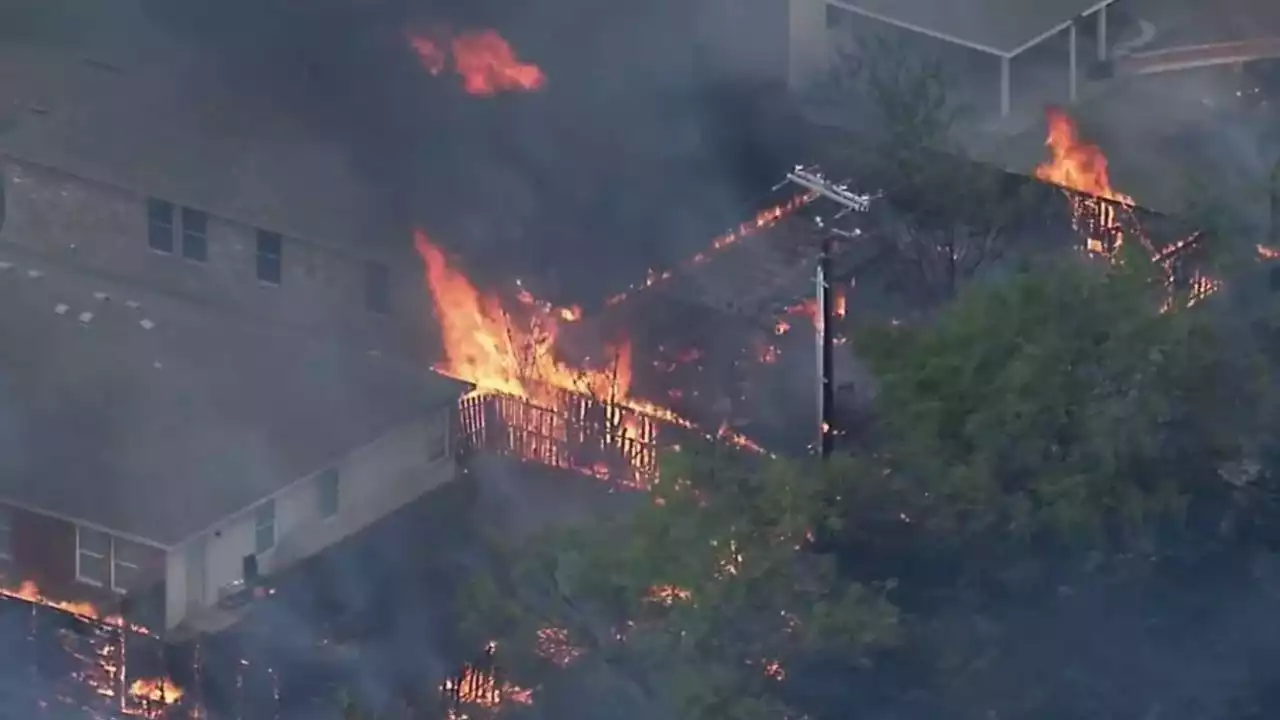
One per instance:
(552,410)
(1096,207)
(100,648)
(483,59)
(479,686)
(763,220)
(553,644)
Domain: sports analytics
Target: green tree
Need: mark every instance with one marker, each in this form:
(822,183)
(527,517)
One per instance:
(1062,442)
(1050,441)
(694,604)
(943,218)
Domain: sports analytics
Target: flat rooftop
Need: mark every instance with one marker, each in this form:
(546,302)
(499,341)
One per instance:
(999,27)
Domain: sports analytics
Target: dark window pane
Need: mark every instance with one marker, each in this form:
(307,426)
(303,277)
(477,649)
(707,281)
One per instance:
(377,288)
(265,513)
(327,493)
(160,225)
(195,243)
(270,248)
(92,541)
(269,269)
(195,246)
(269,243)
(1274,276)
(94,569)
(160,237)
(132,553)
(194,221)
(126,576)
(160,211)
(264,538)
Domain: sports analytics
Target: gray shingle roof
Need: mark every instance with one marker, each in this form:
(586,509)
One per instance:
(158,417)
(138,110)
(1001,27)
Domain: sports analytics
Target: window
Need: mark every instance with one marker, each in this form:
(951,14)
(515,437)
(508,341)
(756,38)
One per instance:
(127,561)
(195,240)
(160,225)
(108,561)
(327,493)
(93,557)
(377,288)
(264,535)
(6,533)
(1274,278)
(270,247)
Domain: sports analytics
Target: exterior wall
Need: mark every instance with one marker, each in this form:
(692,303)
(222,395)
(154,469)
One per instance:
(105,228)
(43,550)
(372,482)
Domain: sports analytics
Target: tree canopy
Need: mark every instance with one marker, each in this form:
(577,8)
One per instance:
(1053,456)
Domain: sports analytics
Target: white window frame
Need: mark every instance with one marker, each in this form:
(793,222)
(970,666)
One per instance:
(81,552)
(6,532)
(116,562)
(112,559)
(264,517)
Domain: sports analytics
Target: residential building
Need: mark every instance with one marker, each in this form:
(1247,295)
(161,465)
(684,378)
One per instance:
(745,37)
(208,334)
(131,153)
(153,445)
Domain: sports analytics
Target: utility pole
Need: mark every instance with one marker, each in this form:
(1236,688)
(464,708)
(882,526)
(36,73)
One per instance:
(813,181)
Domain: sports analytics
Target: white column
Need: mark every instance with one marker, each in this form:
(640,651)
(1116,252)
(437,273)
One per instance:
(1004,87)
(1071,74)
(808,59)
(1102,33)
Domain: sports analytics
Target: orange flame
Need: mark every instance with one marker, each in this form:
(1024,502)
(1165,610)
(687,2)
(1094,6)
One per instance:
(554,645)
(668,595)
(152,690)
(484,347)
(1079,165)
(484,60)
(29,591)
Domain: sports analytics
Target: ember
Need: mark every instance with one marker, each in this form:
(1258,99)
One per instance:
(484,60)
(553,644)
(764,219)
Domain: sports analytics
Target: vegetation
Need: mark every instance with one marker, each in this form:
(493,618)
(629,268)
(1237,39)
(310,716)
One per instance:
(946,219)
(1058,473)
